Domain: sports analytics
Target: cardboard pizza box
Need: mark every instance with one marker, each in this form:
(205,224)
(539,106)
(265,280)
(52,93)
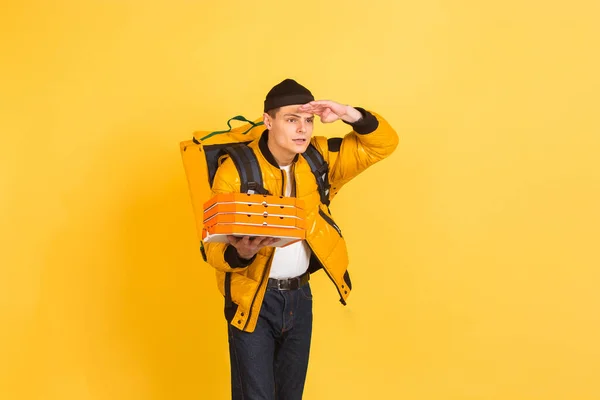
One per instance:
(253,209)
(254,215)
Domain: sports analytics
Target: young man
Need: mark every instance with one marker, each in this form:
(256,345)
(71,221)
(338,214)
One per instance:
(268,300)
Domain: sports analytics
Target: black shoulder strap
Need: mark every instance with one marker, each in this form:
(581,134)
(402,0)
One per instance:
(247,165)
(320,170)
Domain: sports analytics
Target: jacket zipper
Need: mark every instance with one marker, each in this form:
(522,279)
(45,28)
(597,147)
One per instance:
(262,278)
(330,221)
(329,275)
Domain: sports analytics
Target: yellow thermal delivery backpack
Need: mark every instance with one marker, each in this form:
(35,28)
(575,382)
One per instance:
(203,154)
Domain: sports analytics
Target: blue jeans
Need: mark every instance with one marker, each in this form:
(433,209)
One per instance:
(271,362)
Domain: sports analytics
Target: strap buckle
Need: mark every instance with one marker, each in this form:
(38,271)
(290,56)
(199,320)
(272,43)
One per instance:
(252,187)
(288,284)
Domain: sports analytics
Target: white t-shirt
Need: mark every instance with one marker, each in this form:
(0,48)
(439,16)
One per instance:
(292,260)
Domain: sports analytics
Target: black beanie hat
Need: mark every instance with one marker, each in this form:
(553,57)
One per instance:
(287,93)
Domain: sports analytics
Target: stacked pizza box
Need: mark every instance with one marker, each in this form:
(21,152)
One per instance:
(254,215)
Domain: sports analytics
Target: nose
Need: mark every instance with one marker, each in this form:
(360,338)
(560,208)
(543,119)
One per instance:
(302,127)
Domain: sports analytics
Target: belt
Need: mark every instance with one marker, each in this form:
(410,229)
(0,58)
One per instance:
(289,283)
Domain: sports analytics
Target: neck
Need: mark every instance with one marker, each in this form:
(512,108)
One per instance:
(282,160)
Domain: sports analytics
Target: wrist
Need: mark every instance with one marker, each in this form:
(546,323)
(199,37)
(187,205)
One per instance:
(366,124)
(234,259)
(245,256)
(352,115)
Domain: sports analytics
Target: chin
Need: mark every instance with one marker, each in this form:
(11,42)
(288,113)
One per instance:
(300,150)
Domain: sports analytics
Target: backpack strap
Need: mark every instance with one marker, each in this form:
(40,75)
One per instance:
(247,165)
(320,170)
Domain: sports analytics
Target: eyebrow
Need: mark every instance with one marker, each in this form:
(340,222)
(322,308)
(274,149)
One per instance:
(296,115)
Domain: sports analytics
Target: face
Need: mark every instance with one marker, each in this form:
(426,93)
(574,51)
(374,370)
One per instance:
(289,133)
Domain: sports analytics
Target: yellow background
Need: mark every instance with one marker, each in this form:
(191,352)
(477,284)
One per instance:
(474,247)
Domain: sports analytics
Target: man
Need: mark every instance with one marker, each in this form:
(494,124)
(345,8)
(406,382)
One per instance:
(267,294)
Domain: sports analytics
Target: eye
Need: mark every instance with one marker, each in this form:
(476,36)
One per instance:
(291,119)
(310,120)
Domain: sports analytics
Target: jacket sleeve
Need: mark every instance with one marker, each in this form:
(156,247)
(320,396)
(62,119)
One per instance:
(223,256)
(371,140)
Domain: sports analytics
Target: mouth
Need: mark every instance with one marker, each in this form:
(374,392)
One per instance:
(299,141)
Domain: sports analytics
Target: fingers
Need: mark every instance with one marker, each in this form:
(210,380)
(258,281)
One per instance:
(233,240)
(328,111)
(239,242)
(263,241)
(313,107)
(273,241)
(307,106)
(257,241)
(318,111)
(319,103)
(248,246)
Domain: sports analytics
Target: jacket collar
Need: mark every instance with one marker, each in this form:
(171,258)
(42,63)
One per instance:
(264,149)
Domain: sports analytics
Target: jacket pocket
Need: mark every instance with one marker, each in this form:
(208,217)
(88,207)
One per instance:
(330,221)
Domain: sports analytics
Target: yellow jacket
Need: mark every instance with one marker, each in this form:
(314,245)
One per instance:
(371,140)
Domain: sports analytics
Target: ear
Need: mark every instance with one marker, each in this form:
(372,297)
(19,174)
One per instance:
(267,121)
